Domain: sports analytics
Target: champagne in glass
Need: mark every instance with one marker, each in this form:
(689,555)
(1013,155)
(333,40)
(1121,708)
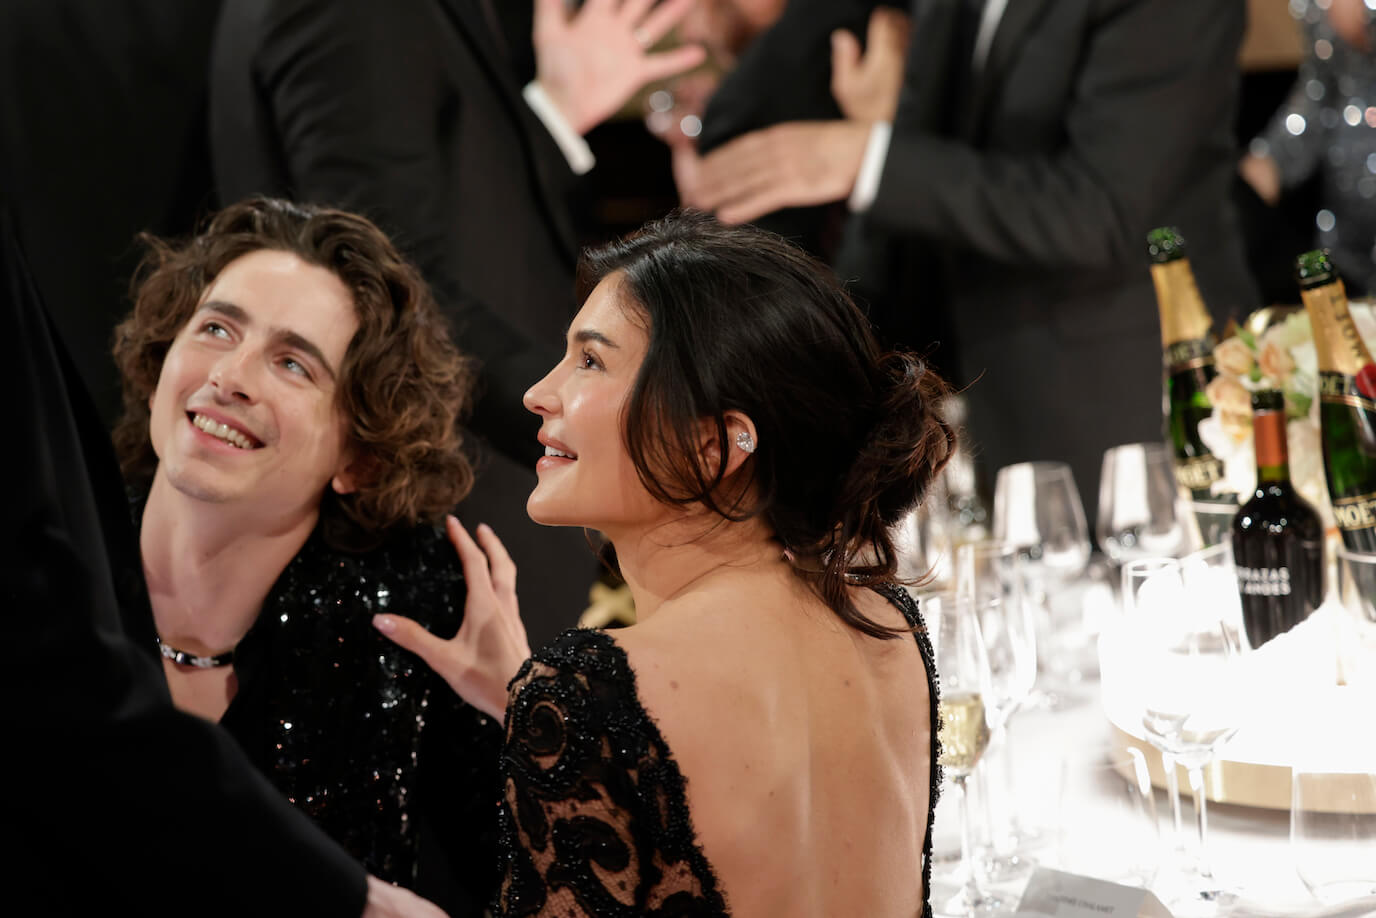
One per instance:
(964,732)
(963,669)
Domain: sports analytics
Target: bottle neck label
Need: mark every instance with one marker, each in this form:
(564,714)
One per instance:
(1198,473)
(1355,513)
(1272,451)
(1187,355)
(1183,315)
(1263,581)
(1340,348)
(1341,389)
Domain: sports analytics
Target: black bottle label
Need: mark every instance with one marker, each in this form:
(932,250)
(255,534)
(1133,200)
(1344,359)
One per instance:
(1263,581)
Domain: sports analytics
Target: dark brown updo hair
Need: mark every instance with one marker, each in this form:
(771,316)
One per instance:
(848,438)
(402,385)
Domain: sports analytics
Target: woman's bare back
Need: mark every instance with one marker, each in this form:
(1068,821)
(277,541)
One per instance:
(806,745)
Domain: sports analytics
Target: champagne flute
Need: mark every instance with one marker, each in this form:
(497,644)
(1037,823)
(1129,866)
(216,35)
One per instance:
(1139,504)
(963,669)
(1037,509)
(990,578)
(1188,644)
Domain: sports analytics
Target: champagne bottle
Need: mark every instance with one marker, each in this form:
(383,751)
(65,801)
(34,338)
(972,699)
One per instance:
(1347,401)
(1277,535)
(1187,341)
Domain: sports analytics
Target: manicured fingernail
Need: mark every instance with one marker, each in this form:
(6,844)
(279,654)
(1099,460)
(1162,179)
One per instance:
(384,623)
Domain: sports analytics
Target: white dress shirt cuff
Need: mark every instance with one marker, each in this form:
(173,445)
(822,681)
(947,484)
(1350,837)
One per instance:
(573,146)
(871,168)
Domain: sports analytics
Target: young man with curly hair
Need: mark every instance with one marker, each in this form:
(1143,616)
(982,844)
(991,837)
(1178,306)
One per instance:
(289,434)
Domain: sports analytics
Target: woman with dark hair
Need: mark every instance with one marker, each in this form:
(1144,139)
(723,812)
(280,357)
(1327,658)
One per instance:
(763,740)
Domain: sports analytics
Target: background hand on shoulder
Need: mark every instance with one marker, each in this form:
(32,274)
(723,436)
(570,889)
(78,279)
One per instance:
(491,644)
(388,901)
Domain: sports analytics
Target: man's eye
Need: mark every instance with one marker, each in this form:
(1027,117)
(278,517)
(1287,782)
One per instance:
(292,365)
(215,329)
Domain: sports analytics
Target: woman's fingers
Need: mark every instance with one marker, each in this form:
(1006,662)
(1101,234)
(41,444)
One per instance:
(409,635)
(502,568)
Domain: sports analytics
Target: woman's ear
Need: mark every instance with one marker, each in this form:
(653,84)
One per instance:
(741,441)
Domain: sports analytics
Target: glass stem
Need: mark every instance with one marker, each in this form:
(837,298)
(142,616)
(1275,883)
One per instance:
(971,891)
(985,783)
(1173,791)
(1201,813)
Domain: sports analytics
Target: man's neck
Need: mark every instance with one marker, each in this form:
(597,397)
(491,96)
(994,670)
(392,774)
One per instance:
(209,566)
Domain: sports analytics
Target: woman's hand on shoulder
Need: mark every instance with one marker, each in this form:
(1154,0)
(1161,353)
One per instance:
(491,644)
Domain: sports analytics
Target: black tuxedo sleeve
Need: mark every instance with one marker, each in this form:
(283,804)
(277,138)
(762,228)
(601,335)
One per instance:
(1155,77)
(116,802)
(360,108)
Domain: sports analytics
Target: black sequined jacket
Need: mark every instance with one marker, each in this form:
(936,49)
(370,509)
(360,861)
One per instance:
(360,734)
(595,820)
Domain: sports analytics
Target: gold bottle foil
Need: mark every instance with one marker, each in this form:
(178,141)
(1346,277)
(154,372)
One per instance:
(1183,316)
(1339,346)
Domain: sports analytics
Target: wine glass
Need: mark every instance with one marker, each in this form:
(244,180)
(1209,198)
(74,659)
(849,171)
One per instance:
(1106,793)
(1037,509)
(1187,682)
(1139,505)
(989,577)
(962,666)
(1333,829)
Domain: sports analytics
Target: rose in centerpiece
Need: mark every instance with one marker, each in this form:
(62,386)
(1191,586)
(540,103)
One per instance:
(1284,359)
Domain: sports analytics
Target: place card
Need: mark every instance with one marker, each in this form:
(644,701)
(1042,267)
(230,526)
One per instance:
(1054,894)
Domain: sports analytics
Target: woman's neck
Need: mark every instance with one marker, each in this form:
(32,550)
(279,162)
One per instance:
(688,554)
(209,567)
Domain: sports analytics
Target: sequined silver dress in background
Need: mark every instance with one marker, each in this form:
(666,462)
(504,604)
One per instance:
(1328,126)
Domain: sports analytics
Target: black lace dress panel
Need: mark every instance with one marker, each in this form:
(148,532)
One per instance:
(361,735)
(595,821)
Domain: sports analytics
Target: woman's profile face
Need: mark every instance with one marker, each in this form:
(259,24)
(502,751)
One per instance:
(586,477)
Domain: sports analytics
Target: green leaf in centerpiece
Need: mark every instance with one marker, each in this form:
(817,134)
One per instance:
(1247,337)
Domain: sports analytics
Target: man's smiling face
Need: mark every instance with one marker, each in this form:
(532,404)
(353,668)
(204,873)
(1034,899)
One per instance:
(245,408)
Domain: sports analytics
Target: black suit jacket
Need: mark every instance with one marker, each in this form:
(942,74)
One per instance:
(409,112)
(102,134)
(1013,207)
(117,803)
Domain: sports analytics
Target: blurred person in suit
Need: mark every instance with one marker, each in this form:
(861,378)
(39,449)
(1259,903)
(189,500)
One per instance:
(411,113)
(102,135)
(1033,146)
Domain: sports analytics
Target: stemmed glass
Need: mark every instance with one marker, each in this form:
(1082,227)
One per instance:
(1037,510)
(962,666)
(1139,505)
(989,577)
(1186,646)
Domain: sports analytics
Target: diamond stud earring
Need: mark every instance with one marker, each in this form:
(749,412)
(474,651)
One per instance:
(745,441)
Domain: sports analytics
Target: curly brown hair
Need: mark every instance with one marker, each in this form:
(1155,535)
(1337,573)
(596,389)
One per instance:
(403,384)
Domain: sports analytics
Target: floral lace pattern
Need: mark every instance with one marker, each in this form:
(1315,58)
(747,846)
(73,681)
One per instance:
(595,818)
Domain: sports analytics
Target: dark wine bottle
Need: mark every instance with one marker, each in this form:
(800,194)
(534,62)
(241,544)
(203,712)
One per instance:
(1277,535)
(1347,402)
(1187,342)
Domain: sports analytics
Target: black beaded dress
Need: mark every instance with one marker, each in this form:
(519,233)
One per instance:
(595,820)
(361,735)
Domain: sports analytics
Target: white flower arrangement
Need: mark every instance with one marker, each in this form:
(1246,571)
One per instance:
(1282,358)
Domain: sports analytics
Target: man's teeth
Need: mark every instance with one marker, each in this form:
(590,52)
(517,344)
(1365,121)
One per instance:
(223,431)
(551,451)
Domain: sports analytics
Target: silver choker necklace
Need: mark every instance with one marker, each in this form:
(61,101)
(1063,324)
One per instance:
(183,658)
